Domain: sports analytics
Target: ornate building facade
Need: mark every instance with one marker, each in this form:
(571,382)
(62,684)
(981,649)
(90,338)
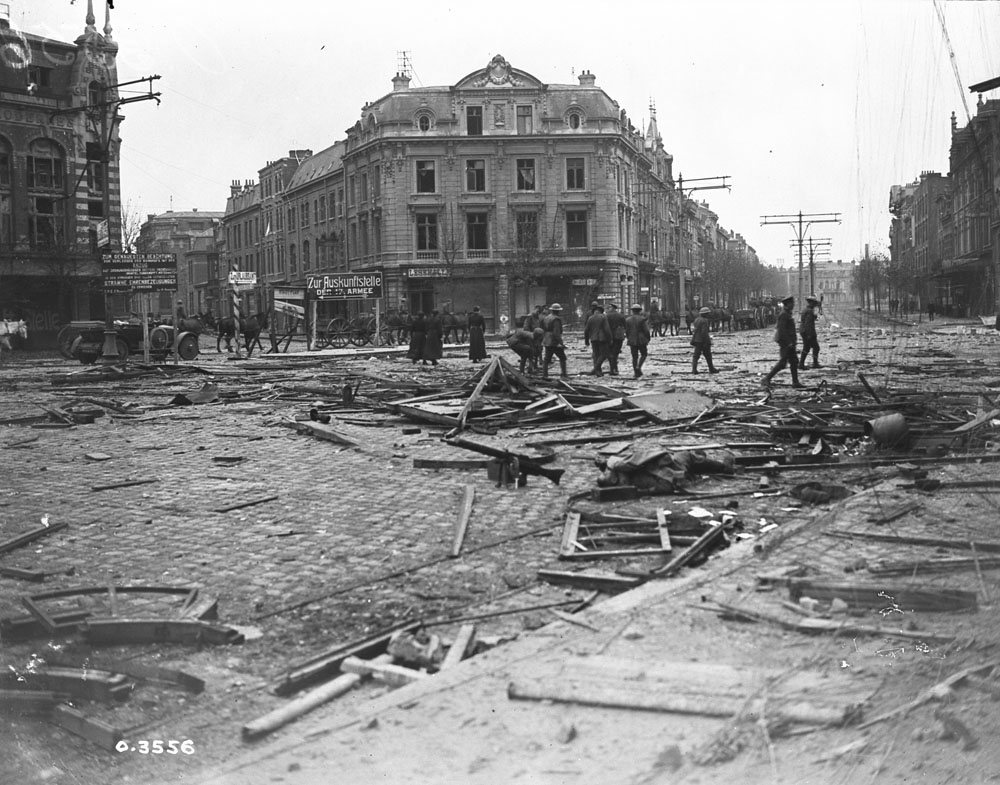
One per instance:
(498,191)
(59,176)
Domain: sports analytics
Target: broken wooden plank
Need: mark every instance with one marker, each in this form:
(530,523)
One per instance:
(30,536)
(326,432)
(461,647)
(324,665)
(569,618)
(487,376)
(661,525)
(883,595)
(75,721)
(982,419)
(696,688)
(251,503)
(698,548)
(568,544)
(395,675)
(589,579)
(462,523)
(18,702)
(93,684)
(454,463)
(131,668)
(307,702)
(932,542)
(25,575)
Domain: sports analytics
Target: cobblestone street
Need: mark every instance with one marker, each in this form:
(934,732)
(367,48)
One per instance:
(306,543)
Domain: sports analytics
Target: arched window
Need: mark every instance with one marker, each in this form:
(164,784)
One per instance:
(46,184)
(424,120)
(574,120)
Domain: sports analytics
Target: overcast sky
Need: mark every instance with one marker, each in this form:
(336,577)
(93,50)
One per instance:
(811,106)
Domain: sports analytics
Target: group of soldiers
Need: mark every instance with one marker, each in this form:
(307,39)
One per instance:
(607,331)
(540,339)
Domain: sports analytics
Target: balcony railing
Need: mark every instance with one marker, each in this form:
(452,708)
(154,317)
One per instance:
(477,254)
(428,255)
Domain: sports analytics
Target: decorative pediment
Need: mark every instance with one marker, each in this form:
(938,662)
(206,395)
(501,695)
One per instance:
(498,73)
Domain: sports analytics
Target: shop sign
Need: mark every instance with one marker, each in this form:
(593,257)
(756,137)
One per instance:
(427,272)
(346,286)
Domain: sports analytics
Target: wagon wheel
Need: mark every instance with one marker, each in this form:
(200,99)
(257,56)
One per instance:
(362,332)
(387,335)
(187,347)
(160,339)
(338,333)
(67,336)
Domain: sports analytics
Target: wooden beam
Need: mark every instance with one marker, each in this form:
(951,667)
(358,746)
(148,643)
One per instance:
(602,581)
(396,675)
(460,648)
(307,702)
(462,523)
(30,536)
(75,721)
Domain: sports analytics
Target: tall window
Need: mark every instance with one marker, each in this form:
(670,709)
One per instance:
(46,219)
(350,191)
(475,174)
(95,169)
(6,205)
(45,166)
(425,177)
(427,233)
(321,215)
(576,228)
(305,255)
(364,186)
(293,261)
(304,214)
(525,174)
(527,231)
(574,174)
(363,236)
(474,120)
(477,235)
(340,202)
(524,125)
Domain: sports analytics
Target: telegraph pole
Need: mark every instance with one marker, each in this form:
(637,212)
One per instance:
(719,181)
(799,225)
(817,245)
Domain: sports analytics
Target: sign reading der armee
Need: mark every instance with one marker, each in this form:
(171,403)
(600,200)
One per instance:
(346,286)
(139,272)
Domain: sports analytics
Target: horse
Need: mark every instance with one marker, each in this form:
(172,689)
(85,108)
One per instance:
(250,329)
(662,323)
(721,319)
(455,324)
(8,330)
(208,320)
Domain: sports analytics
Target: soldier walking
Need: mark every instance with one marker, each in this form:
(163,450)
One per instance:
(637,335)
(597,335)
(807,329)
(784,335)
(552,339)
(701,340)
(616,321)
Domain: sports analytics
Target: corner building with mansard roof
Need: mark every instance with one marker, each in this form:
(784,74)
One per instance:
(498,191)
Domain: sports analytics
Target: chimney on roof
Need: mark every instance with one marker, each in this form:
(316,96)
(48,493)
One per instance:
(234,188)
(400,82)
(587,79)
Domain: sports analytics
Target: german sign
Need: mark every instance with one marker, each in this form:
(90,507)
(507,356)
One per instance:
(238,278)
(139,272)
(427,272)
(346,286)
(103,234)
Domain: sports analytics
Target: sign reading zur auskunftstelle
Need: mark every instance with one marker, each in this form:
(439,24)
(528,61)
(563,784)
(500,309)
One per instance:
(346,286)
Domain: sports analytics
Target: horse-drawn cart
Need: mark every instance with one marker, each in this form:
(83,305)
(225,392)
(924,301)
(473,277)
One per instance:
(84,341)
(359,331)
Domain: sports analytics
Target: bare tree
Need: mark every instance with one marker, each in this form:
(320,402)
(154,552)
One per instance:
(131,225)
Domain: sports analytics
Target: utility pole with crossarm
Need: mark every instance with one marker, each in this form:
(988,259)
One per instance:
(800,223)
(719,181)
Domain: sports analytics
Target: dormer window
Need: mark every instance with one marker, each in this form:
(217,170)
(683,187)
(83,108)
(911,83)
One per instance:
(424,121)
(574,120)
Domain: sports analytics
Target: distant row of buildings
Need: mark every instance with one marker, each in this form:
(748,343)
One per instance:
(945,232)
(498,191)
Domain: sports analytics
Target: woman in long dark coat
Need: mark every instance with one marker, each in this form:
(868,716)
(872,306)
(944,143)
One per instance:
(477,336)
(418,337)
(433,349)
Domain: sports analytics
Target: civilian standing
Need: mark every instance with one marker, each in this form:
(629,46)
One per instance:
(477,335)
